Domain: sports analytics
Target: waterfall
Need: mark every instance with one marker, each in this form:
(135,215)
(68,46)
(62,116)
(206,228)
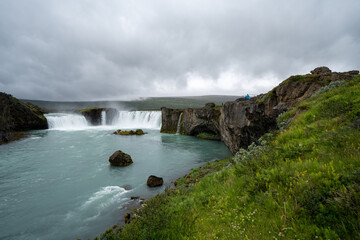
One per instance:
(66,121)
(179,124)
(137,119)
(122,119)
(103,118)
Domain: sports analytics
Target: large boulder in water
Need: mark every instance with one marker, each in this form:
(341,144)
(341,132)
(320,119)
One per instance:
(120,158)
(154,181)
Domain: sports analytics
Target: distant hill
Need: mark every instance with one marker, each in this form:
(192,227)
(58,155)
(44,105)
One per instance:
(143,104)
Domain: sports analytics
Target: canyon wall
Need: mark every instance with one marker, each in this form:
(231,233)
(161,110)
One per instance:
(241,122)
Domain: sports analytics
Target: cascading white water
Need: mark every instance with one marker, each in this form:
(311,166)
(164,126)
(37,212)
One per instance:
(66,121)
(179,124)
(137,119)
(103,118)
(123,119)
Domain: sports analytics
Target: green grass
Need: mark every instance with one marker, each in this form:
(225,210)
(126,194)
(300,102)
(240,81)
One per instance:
(302,183)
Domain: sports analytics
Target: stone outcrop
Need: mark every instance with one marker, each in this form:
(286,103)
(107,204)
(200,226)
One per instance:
(241,122)
(154,181)
(170,118)
(201,120)
(93,115)
(137,132)
(193,120)
(120,158)
(17,116)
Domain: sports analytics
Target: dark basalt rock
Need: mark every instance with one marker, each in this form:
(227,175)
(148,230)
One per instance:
(120,158)
(170,118)
(93,115)
(193,122)
(17,116)
(201,120)
(154,181)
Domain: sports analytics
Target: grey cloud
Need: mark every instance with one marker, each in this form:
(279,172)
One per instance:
(92,50)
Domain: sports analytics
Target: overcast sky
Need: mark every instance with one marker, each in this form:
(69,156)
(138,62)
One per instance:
(117,49)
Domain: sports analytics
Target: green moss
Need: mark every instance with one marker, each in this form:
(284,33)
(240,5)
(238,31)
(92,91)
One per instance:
(208,136)
(167,131)
(218,107)
(267,96)
(137,132)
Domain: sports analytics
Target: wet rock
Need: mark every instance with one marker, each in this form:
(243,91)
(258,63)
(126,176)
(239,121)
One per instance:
(170,118)
(93,115)
(137,132)
(154,181)
(127,187)
(134,197)
(120,158)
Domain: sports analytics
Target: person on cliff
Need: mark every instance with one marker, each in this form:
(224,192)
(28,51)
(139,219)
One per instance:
(247,97)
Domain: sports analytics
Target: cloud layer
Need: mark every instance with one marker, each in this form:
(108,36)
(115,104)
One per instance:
(117,49)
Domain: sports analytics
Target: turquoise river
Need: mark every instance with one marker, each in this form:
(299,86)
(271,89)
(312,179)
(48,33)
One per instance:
(58,184)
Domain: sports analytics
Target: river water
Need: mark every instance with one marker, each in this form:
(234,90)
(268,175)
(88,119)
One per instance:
(58,184)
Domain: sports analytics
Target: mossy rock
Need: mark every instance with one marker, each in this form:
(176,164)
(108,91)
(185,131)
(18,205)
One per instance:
(88,110)
(137,132)
(208,136)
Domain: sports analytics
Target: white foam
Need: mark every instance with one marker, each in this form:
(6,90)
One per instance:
(103,118)
(66,121)
(98,203)
(137,119)
(123,119)
(104,196)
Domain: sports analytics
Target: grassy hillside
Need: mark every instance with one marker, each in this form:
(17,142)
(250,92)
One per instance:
(302,183)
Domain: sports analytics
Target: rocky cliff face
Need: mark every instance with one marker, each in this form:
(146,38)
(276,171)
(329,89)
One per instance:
(193,120)
(201,120)
(16,116)
(242,122)
(170,118)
